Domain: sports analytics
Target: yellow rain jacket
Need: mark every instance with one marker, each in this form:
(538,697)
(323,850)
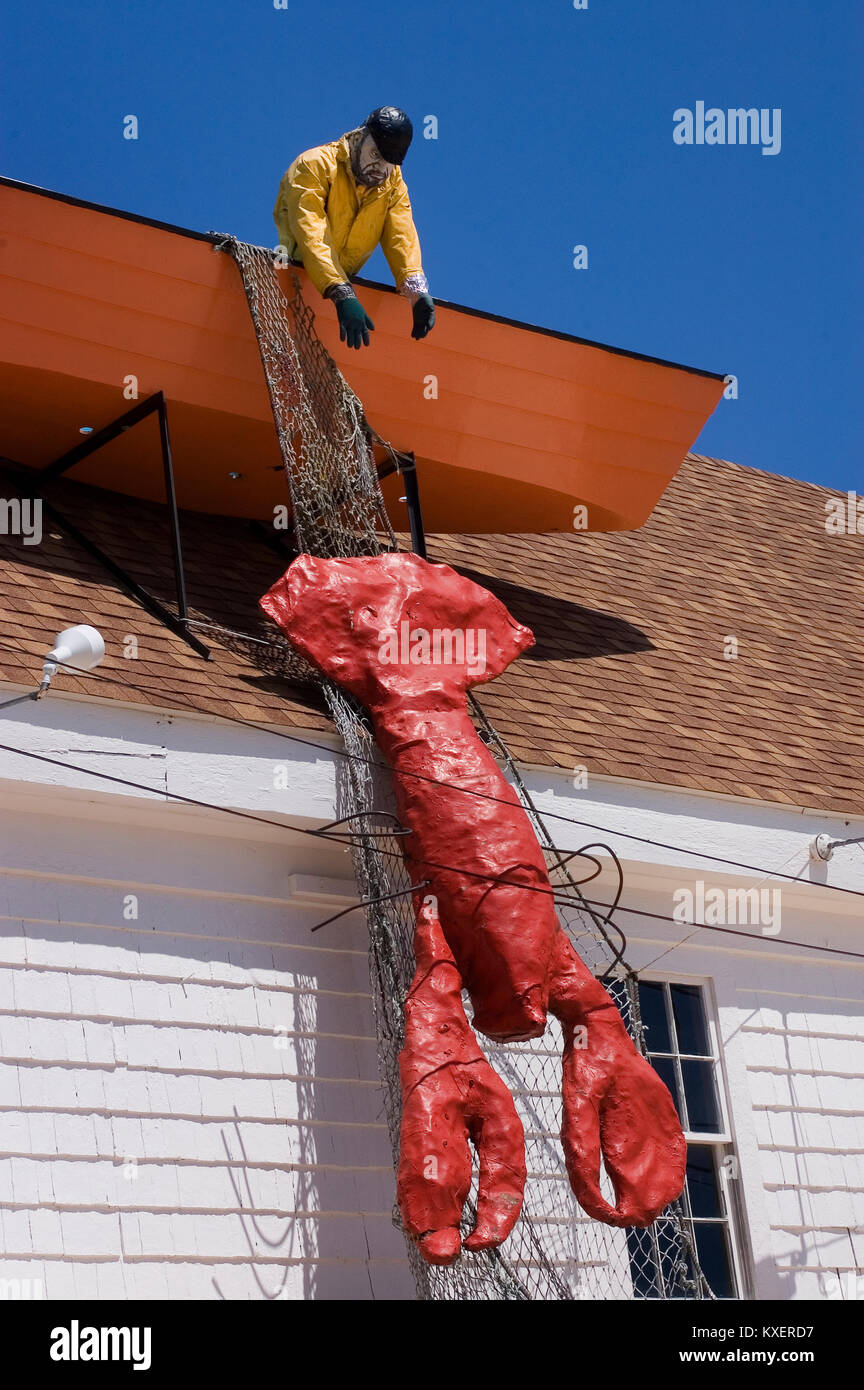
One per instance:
(333,224)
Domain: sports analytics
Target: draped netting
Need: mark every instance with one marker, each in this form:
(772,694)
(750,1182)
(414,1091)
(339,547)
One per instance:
(556,1252)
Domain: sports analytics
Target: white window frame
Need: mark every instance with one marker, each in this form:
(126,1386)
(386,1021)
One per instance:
(722,1140)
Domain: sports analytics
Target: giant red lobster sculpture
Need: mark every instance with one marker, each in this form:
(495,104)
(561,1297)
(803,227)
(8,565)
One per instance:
(408,638)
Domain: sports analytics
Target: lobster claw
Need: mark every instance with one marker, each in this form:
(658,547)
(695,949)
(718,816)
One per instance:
(450,1095)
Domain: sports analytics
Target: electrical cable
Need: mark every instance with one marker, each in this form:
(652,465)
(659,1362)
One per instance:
(471,791)
(563,856)
(731,931)
(617,952)
(19,699)
(429,863)
(279,825)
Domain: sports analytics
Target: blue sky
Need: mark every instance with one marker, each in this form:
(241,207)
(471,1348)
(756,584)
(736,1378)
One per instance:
(555,128)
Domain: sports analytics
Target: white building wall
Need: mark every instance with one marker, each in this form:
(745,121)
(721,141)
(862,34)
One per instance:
(189,1105)
(791,1032)
(794,1046)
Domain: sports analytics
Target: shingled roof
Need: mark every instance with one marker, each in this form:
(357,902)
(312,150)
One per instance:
(629,675)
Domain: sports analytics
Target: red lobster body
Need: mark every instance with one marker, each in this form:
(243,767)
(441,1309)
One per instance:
(472,845)
(481,860)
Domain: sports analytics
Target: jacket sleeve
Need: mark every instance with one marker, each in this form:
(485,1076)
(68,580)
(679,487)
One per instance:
(301,207)
(399,240)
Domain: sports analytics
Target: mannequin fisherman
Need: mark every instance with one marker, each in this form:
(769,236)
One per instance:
(337,202)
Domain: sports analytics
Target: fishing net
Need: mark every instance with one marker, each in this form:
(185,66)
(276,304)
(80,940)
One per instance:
(556,1252)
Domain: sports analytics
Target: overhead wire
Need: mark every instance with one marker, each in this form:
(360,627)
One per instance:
(563,856)
(427,863)
(472,791)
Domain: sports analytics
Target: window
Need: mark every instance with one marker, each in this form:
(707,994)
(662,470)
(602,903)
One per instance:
(682,1051)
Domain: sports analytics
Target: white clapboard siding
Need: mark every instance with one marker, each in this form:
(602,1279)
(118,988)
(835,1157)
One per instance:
(189,1100)
(802,1027)
(189,1096)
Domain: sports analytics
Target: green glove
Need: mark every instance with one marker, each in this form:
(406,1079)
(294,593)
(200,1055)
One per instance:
(354,322)
(424,316)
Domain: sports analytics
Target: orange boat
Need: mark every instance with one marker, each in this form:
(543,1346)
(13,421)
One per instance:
(525,424)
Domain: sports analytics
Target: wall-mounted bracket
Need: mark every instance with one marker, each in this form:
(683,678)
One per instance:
(156,404)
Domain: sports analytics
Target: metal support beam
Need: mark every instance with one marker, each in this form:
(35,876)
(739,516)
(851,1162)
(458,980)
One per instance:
(155,404)
(408,469)
(103,436)
(406,464)
(173,514)
(30,476)
(125,581)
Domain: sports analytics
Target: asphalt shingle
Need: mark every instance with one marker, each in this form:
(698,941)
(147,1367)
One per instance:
(628,675)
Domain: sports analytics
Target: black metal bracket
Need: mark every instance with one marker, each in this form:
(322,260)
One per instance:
(408,470)
(179,622)
(156,404)
(406,465)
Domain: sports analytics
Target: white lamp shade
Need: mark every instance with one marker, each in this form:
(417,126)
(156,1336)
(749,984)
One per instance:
(81,647)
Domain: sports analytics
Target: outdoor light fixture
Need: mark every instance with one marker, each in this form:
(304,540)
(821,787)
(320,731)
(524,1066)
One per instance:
(823,847)
(79,648)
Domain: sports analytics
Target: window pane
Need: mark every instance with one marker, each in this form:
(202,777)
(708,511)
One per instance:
(665,1068)
(703,1112)
(713,1249)
(702,1186)
(653,1009)
(690,1023)
(656,1257)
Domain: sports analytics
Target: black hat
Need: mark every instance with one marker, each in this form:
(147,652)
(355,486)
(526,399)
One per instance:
(392,132)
